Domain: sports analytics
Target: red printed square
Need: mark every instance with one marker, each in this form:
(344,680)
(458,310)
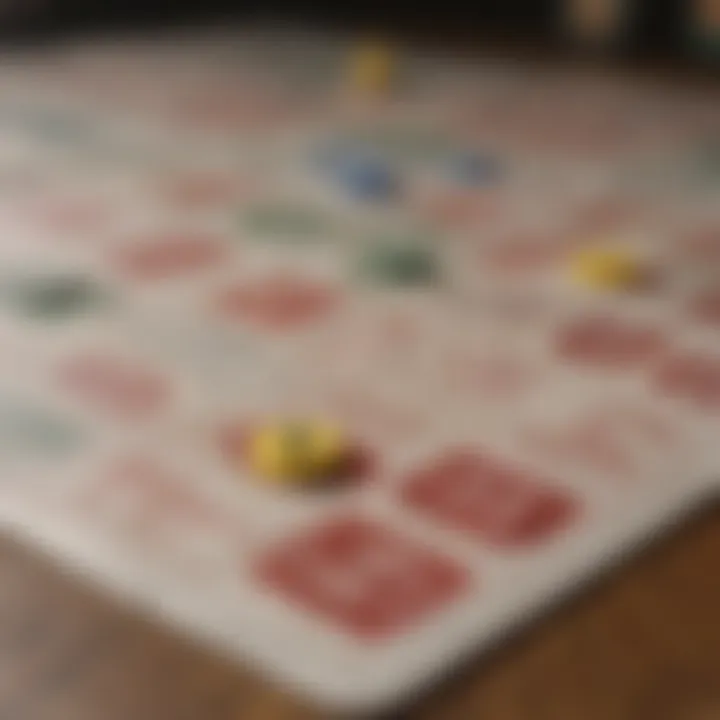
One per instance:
(232,440)
(518,255)
(73,217)
(362,576)
(113,385)
(705,307)
(278,303)
(169,255)
(693,377)
(155,498)
(462,210)
(482,497)
(701,244)
(199,190)
(606,215)
(607,342)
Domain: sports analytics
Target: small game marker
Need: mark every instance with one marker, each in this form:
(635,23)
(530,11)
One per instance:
(371,68)
(607,269)
(298,453)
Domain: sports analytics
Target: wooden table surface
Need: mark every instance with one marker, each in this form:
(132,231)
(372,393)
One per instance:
(642,643)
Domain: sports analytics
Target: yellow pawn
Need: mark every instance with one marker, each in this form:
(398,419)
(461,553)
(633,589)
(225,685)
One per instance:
(296,453)
(606,269)
(372,68)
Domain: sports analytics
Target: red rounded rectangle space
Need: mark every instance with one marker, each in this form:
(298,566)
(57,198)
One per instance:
(480,496)
(114,385)
(278,302)
(169,255)
(361,576)
(608,343)
(692,376)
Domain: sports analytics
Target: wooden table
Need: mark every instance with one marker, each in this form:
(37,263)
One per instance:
(642,643)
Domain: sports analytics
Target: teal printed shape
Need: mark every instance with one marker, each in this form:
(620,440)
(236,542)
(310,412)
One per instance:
(51,297)
(55,126)
(400,262)
(285,222)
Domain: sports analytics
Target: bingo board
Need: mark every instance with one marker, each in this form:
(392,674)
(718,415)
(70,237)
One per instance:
(176,264)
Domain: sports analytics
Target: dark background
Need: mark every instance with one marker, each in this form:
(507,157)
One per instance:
(658,27)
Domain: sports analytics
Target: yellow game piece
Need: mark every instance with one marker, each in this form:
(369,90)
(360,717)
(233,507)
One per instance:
(372,68)
(604,268)
(296,452)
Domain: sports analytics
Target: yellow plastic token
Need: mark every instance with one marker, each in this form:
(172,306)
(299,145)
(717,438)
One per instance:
(296,452)
(606,269)
(372,68)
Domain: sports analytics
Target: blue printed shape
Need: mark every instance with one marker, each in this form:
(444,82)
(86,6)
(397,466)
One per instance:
(361,172)
(471,168)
